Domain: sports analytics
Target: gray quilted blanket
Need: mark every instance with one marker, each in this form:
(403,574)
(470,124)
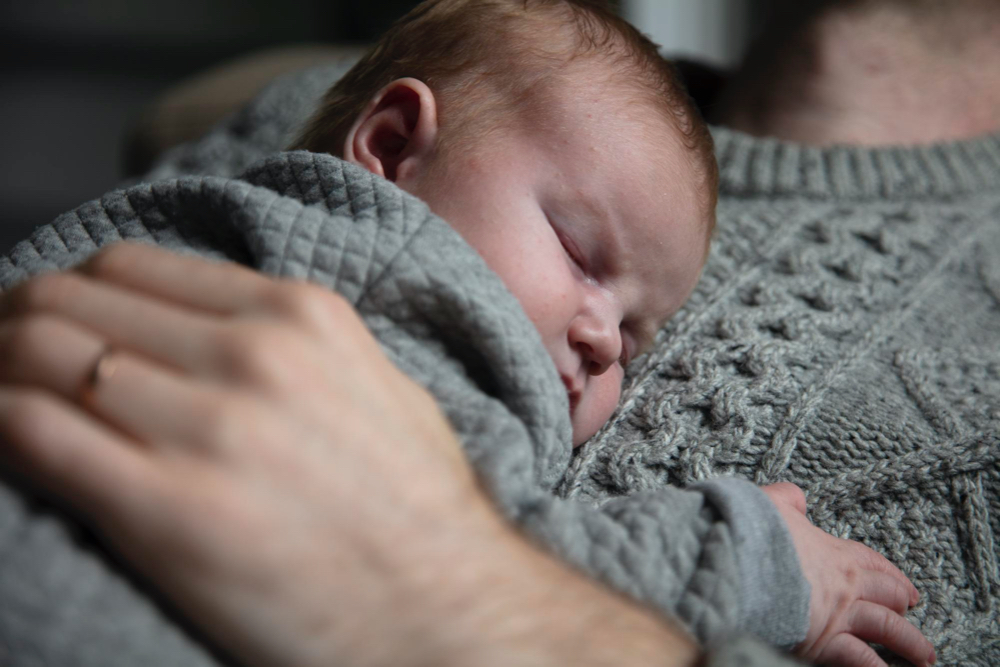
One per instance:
(446,320)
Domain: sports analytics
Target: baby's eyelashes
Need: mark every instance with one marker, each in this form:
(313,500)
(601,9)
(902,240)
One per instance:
(569,245)
(574,252)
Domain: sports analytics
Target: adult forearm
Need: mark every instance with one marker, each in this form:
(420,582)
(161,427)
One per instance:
(481,595)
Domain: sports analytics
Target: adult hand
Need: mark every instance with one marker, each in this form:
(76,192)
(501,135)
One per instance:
(245,421)
(857,595)
(249,448)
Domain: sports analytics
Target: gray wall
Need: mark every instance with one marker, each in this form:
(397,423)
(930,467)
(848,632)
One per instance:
(711,31)
(75,74)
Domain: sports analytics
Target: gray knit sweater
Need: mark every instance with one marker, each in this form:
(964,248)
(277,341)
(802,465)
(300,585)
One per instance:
(845,337)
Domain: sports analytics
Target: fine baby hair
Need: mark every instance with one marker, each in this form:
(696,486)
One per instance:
(488,63)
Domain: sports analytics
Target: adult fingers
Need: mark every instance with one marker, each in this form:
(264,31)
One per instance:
(218,288)
(71,319)
(46,352)
(875,623)
(157,406)
(70,454)
(849,651)
(143,399)
(163,332)
(223,288)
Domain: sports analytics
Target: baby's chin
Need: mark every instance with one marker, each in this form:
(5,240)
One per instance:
(596,405)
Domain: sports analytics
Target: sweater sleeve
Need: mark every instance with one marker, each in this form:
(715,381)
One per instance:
(718,557)
(773,591)
(745,651)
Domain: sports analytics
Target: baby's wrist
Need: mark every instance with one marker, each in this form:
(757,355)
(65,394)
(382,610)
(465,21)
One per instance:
(773,591)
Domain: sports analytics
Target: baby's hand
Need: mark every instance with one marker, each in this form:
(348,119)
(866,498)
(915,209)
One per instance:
(857,595)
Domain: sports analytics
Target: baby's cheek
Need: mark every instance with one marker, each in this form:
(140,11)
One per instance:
(610,391)
(597,404)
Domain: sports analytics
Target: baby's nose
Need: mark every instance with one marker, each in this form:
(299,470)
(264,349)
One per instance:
(598,341)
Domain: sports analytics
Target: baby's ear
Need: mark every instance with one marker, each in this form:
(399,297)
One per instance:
(395,135)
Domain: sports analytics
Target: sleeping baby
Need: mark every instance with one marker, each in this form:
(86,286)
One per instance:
(580,180)
(553,137)
(580,172)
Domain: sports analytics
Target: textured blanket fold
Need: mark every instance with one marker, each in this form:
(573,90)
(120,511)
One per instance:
(446,320)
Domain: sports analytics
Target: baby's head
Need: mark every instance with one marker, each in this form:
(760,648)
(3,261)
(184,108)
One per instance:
(556,141)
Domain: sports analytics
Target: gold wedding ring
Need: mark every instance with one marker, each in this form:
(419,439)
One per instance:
(102,371)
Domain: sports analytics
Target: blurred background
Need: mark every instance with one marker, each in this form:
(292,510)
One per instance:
(78,75)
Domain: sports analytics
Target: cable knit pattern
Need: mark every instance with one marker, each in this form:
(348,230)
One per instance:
(845,337)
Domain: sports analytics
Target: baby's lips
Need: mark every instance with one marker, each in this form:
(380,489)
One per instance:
(571,393)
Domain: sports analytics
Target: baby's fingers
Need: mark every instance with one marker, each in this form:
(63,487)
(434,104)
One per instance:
(886,590)
(876,562)
(880,625)
(846,650)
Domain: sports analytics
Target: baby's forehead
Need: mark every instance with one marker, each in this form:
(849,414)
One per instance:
(617,133)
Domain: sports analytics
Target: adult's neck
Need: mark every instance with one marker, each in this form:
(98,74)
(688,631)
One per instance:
(872,72)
